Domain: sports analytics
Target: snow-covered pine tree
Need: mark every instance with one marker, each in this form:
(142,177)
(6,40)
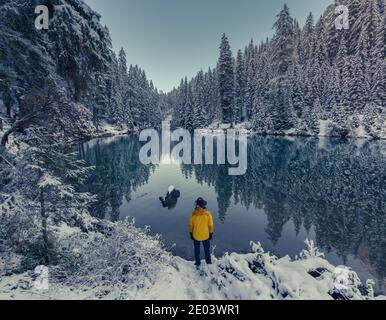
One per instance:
(356,85)
(251,74)
(283,41)
(209,96)
(372,50)
(73,23)
(100,98)
(46,173)
(215,113)
(355,8)
(112,92)
(307,39)
(240,90)
(297,96)
(123,86)
(340,123)
(339,89)
(56,175)
(188,108)
(320,66)
(226,80)
(178,105)
(283,46)
(156,105)
(200,117)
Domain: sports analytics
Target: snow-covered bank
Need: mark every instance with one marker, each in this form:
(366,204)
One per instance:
(120,261)
(108,130)
(258,276)
(105,131)
(326,129)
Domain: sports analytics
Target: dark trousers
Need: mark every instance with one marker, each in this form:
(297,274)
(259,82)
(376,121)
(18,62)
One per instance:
(197,245)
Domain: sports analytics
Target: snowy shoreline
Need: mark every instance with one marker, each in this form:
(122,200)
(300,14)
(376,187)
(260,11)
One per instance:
(323,125)
(107,131)
(110,131)
(259,275)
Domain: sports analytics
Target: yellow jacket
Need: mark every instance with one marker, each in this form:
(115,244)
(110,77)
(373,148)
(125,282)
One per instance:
(201,224)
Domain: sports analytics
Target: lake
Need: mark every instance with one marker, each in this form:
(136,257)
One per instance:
(329,190)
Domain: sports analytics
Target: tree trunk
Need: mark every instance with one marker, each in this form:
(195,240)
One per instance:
(46,253)
(15,126)
(8,108)
(4,138)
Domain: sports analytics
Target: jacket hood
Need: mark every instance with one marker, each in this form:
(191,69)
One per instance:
(200,211)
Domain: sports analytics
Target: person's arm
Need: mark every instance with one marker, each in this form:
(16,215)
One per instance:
(191,225)
(211,224)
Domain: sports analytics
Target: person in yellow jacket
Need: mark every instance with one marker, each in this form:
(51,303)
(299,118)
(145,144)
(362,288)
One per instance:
(201,228)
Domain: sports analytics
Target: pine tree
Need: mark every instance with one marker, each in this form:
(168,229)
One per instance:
(297,97)
(226,80)
(356,87)
(188,108)
(341,76)
(124,88)
(100,99)
(112,91)
(374,27)
(307,40)
(55,173)
(283,44)
(284,40)
(179,103)
(251,71)
(240,91)
(320,65)
(199,103)
(215,109)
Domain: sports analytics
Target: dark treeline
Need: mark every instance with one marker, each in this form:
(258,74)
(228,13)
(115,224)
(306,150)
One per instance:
(307,81)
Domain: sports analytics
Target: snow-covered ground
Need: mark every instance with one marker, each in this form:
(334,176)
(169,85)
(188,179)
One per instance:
(108,130)
(325,127)
(255,276)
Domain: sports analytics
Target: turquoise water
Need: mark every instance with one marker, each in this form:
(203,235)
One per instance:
(332,191)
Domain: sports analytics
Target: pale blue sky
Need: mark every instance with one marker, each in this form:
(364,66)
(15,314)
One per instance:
(171,39)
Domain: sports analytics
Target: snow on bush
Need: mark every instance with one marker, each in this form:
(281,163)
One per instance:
(116,259)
